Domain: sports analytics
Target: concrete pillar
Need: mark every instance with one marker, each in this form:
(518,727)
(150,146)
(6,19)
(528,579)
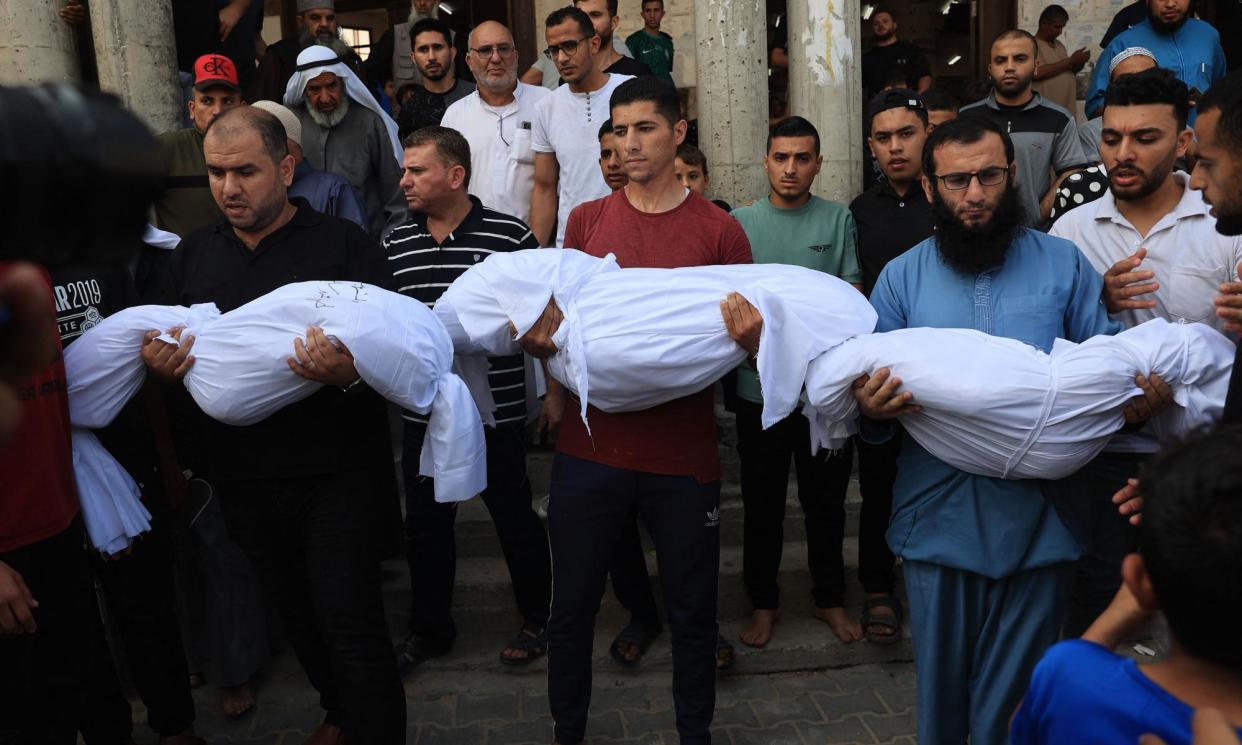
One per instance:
(732,95)
(825,86)
(37,45)
(137,58)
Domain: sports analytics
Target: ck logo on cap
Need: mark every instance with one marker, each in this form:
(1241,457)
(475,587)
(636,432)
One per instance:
(217,66)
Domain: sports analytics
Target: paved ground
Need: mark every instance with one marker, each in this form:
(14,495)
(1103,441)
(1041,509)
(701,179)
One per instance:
(805,688)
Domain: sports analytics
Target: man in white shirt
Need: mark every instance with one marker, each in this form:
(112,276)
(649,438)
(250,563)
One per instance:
(564,133)
(1156,244)
(497,120)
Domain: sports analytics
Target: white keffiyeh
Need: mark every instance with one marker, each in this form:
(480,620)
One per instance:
(314,61)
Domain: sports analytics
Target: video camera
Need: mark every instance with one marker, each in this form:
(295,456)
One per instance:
(78,173)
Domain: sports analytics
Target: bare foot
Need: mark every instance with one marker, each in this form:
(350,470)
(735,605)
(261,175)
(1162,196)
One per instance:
(759,631)
(326,734)
(846,628)
(236,700)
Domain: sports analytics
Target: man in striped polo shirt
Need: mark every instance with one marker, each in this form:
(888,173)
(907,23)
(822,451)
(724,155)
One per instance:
(446,233)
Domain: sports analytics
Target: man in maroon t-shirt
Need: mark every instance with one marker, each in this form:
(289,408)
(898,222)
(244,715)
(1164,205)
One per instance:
(50,633)
(662,461)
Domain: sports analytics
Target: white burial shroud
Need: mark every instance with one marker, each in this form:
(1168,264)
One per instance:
(998,407)
(112,507)
(636,338)
(240,375)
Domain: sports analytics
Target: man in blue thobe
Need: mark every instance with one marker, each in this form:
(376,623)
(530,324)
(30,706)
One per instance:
(987,562)
(1187,46)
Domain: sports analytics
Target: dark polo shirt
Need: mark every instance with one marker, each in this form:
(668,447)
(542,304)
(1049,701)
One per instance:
(330,430)
(889,224)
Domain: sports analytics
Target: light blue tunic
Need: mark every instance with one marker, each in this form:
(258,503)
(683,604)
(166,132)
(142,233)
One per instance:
(1045,290)
(986,560)
(1193,53)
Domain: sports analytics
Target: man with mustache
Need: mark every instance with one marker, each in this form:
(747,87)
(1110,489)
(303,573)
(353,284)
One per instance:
(496,120)
(564,133)
(1157,246)
(1044,135)
(392,57)
(296,489)
(446,233)
(317,25)
(345,131)
(440,88)
(1187,46)
(1218,175)
(986,560)
(792,226)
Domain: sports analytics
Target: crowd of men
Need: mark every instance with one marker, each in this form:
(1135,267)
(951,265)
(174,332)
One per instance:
(991,216)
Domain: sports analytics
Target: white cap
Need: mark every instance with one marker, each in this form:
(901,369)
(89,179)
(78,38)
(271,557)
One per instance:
(293,125)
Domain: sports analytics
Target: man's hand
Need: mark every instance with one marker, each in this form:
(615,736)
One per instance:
(1122,284)
(553,409)
(1157,395)
(321,360)
(229,16)
(743,322)
(168,362)
(16,603)
(537,342)
(1079,58)
(1129,501)
(1229,304)
(878,398)
(73,13)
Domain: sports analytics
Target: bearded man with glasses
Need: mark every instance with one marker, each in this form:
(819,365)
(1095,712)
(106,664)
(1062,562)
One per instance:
(987,562)
(497,121)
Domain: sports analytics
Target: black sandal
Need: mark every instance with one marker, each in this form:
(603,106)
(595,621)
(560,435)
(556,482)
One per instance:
(892,622)
(416,650)
(531,640)
(637,635)
(724,654)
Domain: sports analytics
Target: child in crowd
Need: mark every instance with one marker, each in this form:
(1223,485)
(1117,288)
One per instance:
(1189,567)
(690,167)
(611,164)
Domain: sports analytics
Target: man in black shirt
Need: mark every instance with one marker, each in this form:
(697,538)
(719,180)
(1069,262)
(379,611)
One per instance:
(891,57)
(892,217)
(603,15)
(295,487)
(448,231)
(433,54)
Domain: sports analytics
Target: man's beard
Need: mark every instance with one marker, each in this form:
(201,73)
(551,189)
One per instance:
(306,39)
(1161,27)
(1016,88)
(1147,187)
(415,16)
(502,85)
(264,214)
(331,119)
(1229,216)
(976,249)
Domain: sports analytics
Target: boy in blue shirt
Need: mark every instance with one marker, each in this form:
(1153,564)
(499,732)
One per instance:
(1189,567)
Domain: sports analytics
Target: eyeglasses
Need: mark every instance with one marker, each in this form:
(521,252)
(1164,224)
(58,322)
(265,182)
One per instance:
(990,176)
(568,47)
(504,50)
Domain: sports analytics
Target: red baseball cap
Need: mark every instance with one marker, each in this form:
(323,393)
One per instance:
(214,69)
